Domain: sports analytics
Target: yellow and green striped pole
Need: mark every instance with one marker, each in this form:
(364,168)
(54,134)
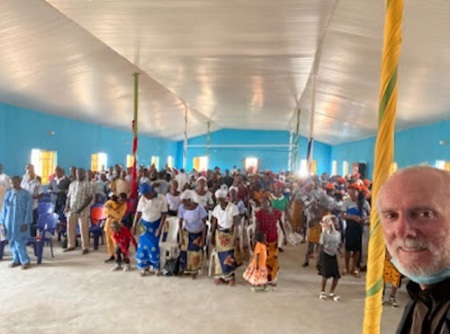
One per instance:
(384,153)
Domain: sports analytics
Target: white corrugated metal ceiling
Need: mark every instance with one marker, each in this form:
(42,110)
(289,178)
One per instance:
(239,64)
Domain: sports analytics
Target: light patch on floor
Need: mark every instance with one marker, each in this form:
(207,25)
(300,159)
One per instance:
(72,293)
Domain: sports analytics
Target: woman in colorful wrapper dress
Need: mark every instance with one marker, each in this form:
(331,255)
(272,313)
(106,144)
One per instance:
(223,237)
(192,234)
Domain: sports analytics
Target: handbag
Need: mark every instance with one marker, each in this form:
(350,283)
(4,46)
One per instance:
(172,267)
(294,238)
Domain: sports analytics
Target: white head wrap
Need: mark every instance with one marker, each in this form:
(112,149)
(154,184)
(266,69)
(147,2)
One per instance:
(222,192)
(234,188)
(202,178)
(187,195)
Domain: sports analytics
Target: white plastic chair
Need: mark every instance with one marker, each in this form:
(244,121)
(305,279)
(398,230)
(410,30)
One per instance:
(250,234)
(206,246)
(208,238)
(169,249)
(212,261)
(240,232)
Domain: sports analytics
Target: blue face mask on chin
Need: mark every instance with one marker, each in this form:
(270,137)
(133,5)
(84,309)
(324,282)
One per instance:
(424,280)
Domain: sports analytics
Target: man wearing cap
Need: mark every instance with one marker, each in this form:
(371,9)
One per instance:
(415,217)
(150,215)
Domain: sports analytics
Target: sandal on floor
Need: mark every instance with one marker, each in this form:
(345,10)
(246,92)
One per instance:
(336,298)
(344,272)
(232,282)
(144,273)
(356,274)
(217,281)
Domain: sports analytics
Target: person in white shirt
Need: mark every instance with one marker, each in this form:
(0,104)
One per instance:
(148,222)
(102,188)
(330,241)
(173,198)
(202,195)
(223,237)
(4,179)
(182,179)
(79,197)
(30,182)
(5,185)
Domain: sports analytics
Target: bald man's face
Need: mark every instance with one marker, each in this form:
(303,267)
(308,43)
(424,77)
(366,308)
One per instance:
(415,218)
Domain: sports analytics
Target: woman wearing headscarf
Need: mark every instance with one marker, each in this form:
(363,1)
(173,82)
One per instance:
(192,233)
(225,218)
(266,222)
(151,212)
(202,195)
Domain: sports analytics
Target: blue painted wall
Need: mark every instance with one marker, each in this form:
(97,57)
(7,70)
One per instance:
(273,158)
(412,146)
(22,130)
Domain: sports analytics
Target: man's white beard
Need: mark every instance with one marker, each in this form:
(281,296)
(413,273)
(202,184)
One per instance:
(440,257)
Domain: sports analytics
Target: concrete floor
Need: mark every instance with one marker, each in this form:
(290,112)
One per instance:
(79,294)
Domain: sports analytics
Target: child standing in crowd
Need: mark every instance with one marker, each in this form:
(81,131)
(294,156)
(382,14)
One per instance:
(314,233)
(122,238)
(391,276)
(115,209)
(330,240)
(256,272)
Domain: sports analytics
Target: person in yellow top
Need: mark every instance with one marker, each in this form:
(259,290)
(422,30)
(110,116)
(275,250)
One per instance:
(256,273)
(115,209)
(391,276)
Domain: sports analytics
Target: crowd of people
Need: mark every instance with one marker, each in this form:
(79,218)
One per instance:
(210,206)
(330,214)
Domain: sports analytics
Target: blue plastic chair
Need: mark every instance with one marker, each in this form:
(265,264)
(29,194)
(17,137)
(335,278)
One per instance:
(3,243)
(46,223)
(46,198)
(45,208)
